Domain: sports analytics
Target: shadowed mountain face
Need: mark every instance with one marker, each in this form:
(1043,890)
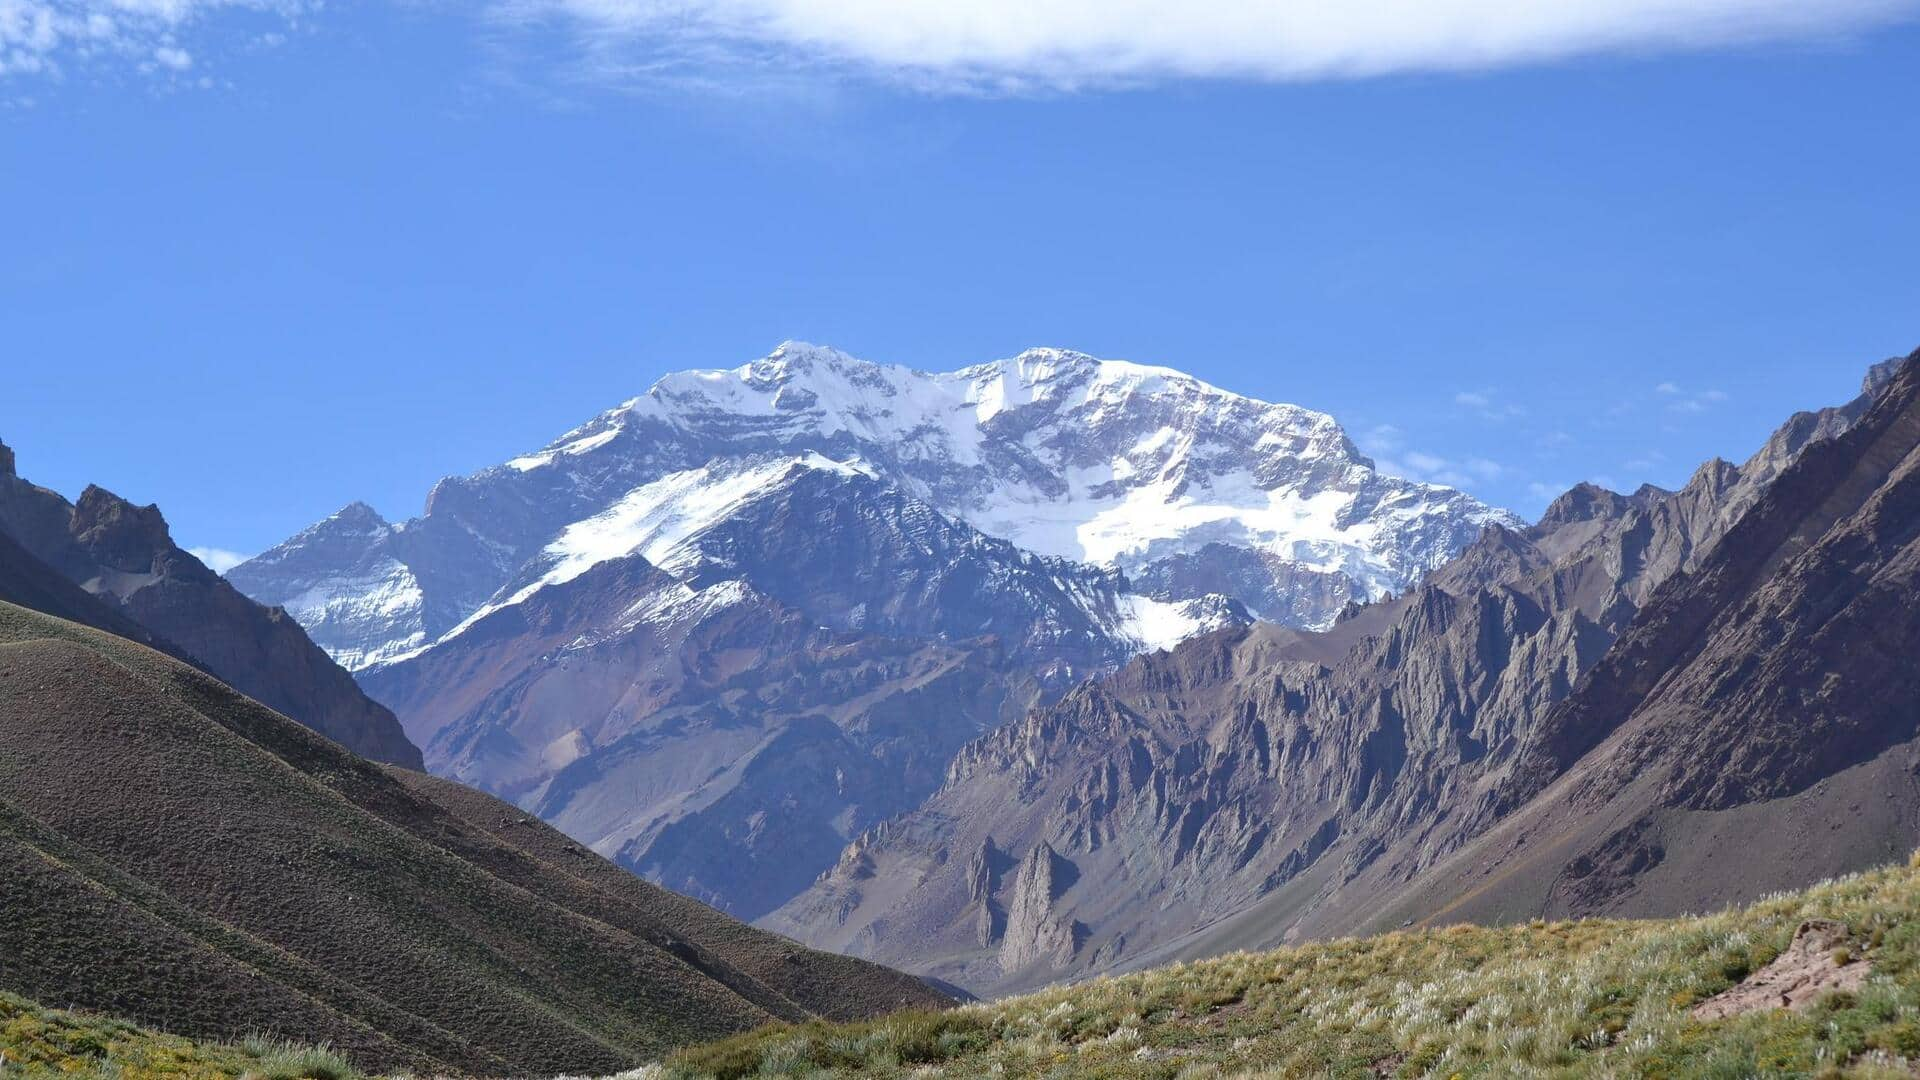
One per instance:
(790,672)
(175,853)
(1259,785)
(713,740)
(30,583)
(123,556)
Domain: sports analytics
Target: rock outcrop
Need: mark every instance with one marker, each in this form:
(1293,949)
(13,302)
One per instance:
(1035,930)
(1755,728)
(1815,964)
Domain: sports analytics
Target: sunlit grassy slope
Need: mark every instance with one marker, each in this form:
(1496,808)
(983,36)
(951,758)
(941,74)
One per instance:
(1595,998)
(36,1041)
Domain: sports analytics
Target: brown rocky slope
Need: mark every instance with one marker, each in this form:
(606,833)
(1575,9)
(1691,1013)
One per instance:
(1759,725)
(173,852)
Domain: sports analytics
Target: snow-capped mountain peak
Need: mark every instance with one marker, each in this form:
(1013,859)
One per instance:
(1187,488)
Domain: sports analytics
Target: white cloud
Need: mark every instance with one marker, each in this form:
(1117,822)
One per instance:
(1013,45)
(1382,439)
(1434,469)
(1680,400)
(1487,405)
(44,37)
(218,560)
(1002,45)
(1484,469)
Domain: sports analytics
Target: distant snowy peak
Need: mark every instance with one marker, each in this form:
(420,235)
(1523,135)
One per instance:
(1186,488)
(1102,461)
(821,395)
(340,580)
(350,527)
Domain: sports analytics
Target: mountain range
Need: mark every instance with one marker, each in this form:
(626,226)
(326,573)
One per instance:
(1186,488)
(1035,670)
(833,679)
(719,631)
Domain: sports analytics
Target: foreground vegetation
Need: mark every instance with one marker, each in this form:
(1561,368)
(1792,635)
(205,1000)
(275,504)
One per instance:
(1592,998)
(36,1041)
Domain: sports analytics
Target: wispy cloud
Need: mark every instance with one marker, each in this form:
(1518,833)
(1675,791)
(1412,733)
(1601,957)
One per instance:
(1019,45)
(985,46)
(1382,439)
(47,37)
(1434,469)
(218,560)
(1488,405)
(1680,400)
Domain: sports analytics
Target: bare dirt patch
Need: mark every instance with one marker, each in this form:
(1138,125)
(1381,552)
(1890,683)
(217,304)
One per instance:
(1810,967)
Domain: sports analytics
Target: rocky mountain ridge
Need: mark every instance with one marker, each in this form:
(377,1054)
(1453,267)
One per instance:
(1256,785)
(123,556)
(1755,727)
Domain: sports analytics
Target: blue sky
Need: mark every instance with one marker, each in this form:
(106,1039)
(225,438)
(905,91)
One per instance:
(263,257)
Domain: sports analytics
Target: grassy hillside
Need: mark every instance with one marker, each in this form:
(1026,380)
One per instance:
(37,1041)
(1589,998)
(178,855)
(1592,998)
